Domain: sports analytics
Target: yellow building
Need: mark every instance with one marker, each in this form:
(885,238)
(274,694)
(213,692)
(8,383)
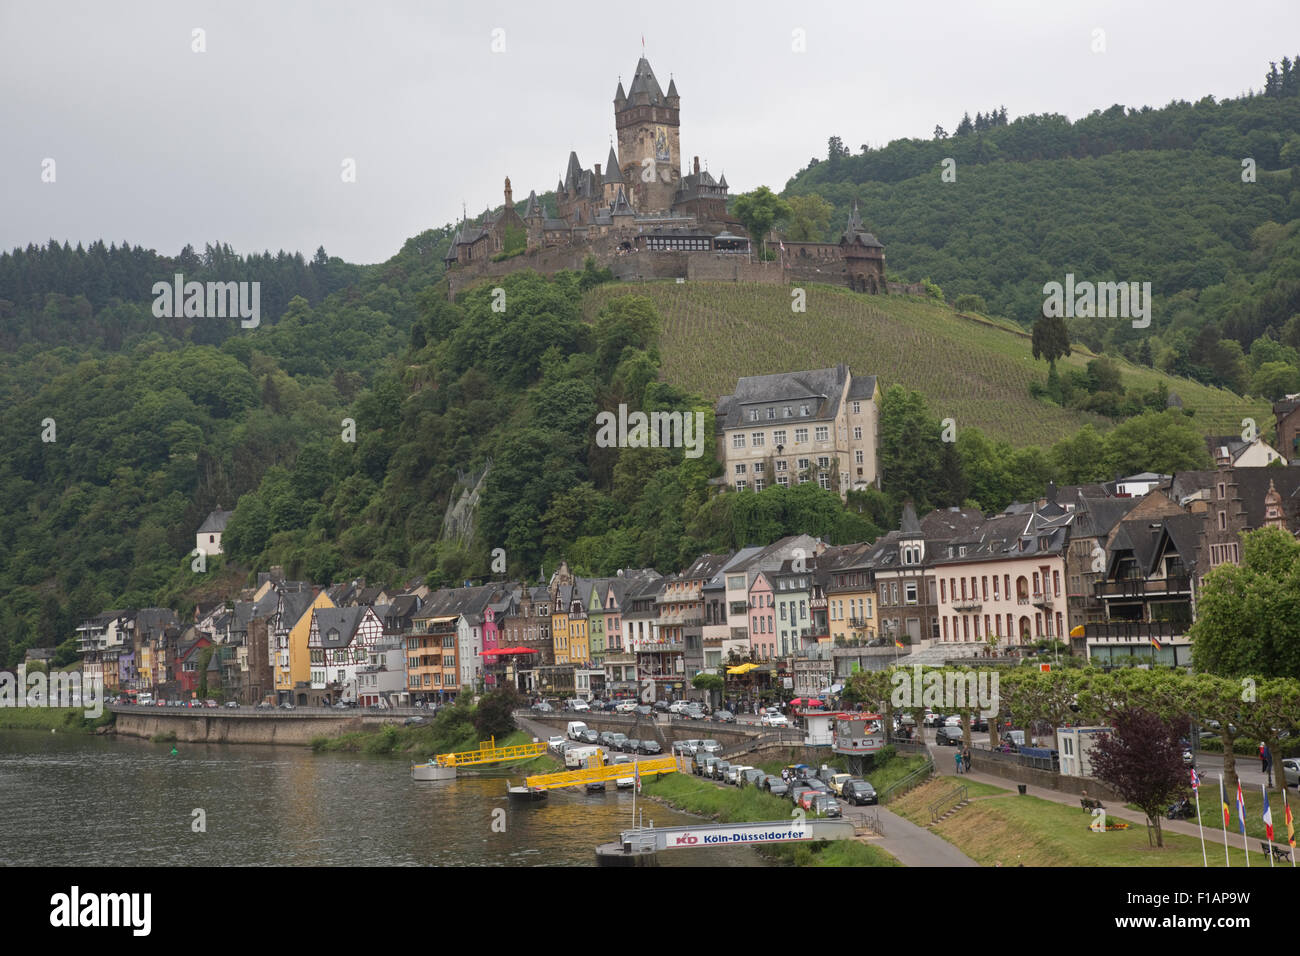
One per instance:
(851,598)
(560,633)
(292,659)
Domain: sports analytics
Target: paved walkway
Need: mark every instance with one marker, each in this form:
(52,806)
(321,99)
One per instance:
(906,842)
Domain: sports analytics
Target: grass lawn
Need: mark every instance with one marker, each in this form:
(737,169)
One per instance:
(749,805)
(62,719)
(1005,827)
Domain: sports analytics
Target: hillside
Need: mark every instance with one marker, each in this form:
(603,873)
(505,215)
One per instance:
(972,369)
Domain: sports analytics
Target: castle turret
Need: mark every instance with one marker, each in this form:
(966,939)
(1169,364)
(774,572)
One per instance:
(510,203)
(620,98)
(671,97)
(649,141)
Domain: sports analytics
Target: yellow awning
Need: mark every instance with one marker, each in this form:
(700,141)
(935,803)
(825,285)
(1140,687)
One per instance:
(1077,631)
(741,668)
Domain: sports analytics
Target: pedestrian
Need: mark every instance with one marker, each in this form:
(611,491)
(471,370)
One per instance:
(1263,757)
(965,759)
(957,756)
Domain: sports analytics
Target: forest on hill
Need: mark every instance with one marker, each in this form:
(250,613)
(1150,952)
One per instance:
(1201,199)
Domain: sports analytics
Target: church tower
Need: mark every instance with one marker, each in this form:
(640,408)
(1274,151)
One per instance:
(649,140)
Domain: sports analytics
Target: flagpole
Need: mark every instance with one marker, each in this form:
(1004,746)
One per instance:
(1268,820)
(1196,792)
(1223,802)
(1241,820)
(1286,815)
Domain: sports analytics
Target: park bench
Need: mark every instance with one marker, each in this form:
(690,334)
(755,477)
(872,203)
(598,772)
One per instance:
(1089,804)
(1278,853)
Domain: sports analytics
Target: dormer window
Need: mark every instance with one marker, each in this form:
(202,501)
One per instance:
(803,410)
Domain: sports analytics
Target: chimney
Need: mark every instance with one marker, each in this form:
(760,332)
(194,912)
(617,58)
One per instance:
(598,171)
(697,165)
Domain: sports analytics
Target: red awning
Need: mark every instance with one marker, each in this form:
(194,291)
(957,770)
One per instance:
(508,650)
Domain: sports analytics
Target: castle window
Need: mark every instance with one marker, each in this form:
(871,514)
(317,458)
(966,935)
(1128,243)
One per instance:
(857,408)
(771,413)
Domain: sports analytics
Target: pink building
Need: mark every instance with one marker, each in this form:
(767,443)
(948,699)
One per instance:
(762,618)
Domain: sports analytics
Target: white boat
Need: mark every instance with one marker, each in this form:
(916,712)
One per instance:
(431,771)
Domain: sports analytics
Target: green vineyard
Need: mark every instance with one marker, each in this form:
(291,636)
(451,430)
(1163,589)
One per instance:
(974,370)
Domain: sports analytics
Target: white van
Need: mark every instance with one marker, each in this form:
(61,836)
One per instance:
(576,727)
(144,700)
(576,758)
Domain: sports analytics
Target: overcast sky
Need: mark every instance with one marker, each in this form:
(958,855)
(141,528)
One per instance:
(245,143)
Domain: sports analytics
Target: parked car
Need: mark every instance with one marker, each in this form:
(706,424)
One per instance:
(589,737)
(420,721)
(952,721)
(808,796)
(932,719)
(775,785)
(979,724)
(797,791)
(264,705)
(773,720)
(750,777)
(629,745)
(948,736)
(661,706)
(686,747)
(838,780)
(625,707)
(616,741)
(824,805)
(542,707)
(644,710)
(711,746)
(232,703)
(724,716)
(676,706)
(859,792)
(692,712)
(821,786)
(1291,771)
(605,738)
(718,769)
(650,748)
(701,762)
(553,742)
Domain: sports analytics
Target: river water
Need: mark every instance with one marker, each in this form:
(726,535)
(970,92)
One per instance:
(73,800)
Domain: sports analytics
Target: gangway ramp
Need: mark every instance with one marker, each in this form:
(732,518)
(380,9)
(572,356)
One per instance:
(574,778)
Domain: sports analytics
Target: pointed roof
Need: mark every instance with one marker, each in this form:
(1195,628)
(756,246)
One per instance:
(672,88)
(722,183)
(910,526)
(645,89)
(573,175)
(619,96)
(854,232)
(611,173)
(621,206)
(533,209)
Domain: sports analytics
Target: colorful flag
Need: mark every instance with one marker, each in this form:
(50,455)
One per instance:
(1241,809)
(898,643)
(1223,798)
(1196,780)
(636,771)
(1290,827)
(1268,818)
(1155,643)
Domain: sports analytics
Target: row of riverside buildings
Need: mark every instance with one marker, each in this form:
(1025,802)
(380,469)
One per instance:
(1105,567)
(1112,568)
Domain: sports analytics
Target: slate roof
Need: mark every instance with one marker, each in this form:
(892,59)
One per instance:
(854,231)
(819,387)
(944,524)
(343,620)
(1252,487)
(293,605)
(645,89)
(1097,517)
(215,522)
(1000,537)
(611,173)
(533,208)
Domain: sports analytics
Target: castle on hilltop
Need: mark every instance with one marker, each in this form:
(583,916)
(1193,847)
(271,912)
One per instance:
(641,217)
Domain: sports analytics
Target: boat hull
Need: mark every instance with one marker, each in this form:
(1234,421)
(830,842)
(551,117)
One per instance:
(427,771)
(526,795)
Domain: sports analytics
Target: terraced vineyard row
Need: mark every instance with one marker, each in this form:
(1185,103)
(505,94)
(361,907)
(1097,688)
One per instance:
(968,370)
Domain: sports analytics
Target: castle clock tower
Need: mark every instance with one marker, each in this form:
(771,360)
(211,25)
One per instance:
(649,140)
